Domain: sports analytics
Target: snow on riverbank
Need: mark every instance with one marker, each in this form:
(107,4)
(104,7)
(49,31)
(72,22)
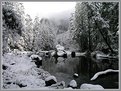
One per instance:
(20,72)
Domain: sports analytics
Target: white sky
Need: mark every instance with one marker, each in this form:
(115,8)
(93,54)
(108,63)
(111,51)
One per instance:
(44,9)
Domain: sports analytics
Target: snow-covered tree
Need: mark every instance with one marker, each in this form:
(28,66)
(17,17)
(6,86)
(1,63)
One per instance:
(81,21)
(36,30)
(27,34)
(47,34)
(95,27)
(12,25)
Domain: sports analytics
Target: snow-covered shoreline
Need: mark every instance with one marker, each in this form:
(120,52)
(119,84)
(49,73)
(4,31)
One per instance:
(19,72)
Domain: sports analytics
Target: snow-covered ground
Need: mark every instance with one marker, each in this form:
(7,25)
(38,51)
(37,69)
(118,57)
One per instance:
(20,72)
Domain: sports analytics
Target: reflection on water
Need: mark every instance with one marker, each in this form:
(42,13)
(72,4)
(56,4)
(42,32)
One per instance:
(64,68)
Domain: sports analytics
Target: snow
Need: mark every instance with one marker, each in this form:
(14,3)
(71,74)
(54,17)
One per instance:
(68,52)
(118,32)
(60,59)
(59,85)
(76,74)
(69,88)
(35,56)
(103,72)
(80,54)
(22,73)
(30,81)
(42,88)
(50,78)
(60,53)
(104,56)
(53,53)
(59,47)
(21,52)
(99,18)
(86,86)
(73,83)
(100,56)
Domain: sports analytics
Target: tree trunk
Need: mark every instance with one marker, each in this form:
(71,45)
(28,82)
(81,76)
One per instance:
(89,38)
(104,37)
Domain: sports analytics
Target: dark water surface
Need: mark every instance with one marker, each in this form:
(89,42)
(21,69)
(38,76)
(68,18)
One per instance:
(64,68)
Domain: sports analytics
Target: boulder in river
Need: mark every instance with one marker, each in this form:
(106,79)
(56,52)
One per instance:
(73,84)
(75,75)
(37,60)
(60,53)
(59,47)
(59,85)
(50,80)
(86,86)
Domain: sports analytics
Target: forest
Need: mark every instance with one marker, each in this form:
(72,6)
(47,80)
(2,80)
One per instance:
(91,33)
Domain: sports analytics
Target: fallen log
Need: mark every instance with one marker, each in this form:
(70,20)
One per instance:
(103,72)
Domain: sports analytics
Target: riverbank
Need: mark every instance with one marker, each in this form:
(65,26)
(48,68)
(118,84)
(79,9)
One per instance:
(21,72)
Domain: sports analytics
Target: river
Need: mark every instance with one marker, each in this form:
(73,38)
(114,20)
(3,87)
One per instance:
(64,68)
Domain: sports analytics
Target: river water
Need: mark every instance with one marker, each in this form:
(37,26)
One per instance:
(64,68)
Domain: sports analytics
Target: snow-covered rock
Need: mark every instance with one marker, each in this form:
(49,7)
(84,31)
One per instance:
(60,59)
(52,53)
(16,51)
(37,60)
(73,84)
(60,53)
(75,75)
(118,32)
(50,80)
(59,47)
(59,85)
(35,56)
(91,87)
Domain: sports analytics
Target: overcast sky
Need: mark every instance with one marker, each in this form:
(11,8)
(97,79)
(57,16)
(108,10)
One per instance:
(45,9)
